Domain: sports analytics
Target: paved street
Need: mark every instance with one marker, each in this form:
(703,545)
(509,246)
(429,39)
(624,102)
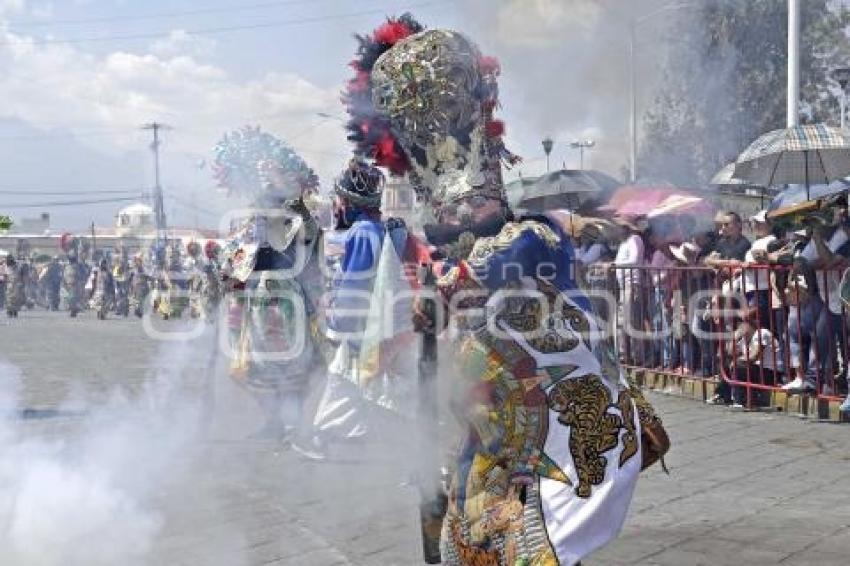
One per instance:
(744,488)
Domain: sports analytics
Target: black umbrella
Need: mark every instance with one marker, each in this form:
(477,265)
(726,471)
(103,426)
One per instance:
(569,189)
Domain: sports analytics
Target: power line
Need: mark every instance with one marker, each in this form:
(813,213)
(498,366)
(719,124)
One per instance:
(217,30)
(70,203)
(161,15)
(106,132)
(52,193)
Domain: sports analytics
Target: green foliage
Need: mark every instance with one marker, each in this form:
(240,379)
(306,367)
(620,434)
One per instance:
(5,222)
(727,84)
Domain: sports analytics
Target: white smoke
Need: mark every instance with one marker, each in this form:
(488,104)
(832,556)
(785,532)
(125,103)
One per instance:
(89,497)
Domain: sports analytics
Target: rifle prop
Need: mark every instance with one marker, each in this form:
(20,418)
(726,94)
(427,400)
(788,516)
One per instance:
(433,501)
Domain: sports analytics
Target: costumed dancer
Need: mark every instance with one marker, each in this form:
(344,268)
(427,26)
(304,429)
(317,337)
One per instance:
(369,364)
(172,284)
(16,291)
(211,288)
(102,289)
(554,435)
(270,270)
(3,283)
(52,281)
(121,280)
(139,286)
(194,268)
(74,275)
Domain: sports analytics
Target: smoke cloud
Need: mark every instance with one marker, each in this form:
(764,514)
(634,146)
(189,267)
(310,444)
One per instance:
(89,497)
(565,73)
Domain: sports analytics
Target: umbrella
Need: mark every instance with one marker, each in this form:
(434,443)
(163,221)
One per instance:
(813,154)
(640,201)
(726,177)
(682,204)
(797,194)
(564,189)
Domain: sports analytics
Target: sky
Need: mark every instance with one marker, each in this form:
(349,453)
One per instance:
(79,77)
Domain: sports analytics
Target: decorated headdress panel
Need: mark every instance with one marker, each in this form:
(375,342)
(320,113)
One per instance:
(361,183)
(253,163)
(432,100)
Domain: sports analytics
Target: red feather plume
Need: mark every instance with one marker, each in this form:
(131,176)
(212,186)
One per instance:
(391,32)
(494,129)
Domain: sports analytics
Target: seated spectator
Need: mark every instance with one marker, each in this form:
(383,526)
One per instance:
(757,359)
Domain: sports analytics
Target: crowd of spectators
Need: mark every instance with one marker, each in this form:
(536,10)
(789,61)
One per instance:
(754,312)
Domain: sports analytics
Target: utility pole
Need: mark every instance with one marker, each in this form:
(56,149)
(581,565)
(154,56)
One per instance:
(158,205)
(793,62)
(632,103)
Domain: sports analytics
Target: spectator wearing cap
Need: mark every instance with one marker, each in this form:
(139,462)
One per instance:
(629,263)
(762,283)
(591,256)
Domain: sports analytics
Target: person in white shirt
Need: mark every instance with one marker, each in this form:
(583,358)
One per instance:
(629,264)
(757,360)
(828,254)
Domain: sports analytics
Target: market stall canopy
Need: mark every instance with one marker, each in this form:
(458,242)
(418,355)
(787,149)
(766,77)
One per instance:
(564,188)
(805,155)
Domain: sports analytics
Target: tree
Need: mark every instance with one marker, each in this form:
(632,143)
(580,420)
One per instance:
(727,85)
(5,223)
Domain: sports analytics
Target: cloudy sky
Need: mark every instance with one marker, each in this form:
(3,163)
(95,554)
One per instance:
(78,78)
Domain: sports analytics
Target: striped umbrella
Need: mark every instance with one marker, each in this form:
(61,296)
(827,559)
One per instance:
(805,155)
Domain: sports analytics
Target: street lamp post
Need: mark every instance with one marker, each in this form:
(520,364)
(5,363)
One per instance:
(842,77)
(581,146)
(547,147)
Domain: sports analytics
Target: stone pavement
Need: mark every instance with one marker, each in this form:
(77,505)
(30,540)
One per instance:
(745,488)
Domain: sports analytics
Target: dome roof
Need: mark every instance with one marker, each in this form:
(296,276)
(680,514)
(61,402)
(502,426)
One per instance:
(137,209)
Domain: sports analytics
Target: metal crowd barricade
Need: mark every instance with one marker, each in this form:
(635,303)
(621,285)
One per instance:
(689,321)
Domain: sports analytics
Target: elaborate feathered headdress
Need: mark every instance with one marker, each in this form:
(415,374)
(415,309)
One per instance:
(257,164)
(422,103)
(368,130)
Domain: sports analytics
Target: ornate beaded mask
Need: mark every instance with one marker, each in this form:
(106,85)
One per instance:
(431,88)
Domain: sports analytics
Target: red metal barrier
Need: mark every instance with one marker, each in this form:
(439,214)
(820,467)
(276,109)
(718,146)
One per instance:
(752,328)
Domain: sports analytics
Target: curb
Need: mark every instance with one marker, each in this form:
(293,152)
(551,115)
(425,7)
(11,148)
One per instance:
(702,389)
